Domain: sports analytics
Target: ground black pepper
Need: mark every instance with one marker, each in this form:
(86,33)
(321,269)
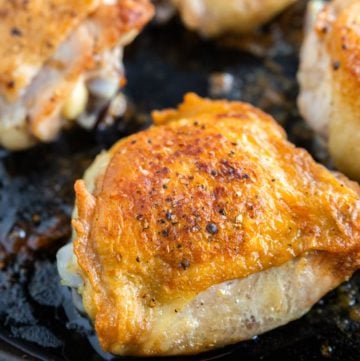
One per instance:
(16,32)
(168,215)
(211,228)
(336,65)
(185,264)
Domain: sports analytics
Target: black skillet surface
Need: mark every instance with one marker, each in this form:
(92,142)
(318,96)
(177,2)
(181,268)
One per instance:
(36,196)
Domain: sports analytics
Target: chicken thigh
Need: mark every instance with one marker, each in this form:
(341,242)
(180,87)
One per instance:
(214,17)
(329,79)
(207,229)
(59,60)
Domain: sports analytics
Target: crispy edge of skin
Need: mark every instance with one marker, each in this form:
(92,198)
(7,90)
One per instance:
(127,17)
(193,105)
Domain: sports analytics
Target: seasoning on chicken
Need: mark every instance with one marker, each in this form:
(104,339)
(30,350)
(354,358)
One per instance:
(207,229)
(61,61)
(214,17)
(330,79)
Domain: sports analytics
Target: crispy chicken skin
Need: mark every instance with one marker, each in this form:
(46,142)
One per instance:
(214,17)
(55,56)
(329,79)
(207,229)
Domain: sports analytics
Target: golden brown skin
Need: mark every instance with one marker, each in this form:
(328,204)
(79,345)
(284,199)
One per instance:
(334,42)
(214,192)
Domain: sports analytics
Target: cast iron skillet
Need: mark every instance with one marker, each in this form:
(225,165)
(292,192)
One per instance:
(36,195)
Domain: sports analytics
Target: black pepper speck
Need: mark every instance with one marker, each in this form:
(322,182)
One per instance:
(168,215)
(211,228)
(16,32)
(184,264)
(336,65)
(10,84)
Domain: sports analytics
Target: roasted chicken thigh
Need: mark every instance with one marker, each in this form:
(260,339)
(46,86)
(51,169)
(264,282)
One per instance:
(206,229)
(214,17)
(330,79)
(59,58)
